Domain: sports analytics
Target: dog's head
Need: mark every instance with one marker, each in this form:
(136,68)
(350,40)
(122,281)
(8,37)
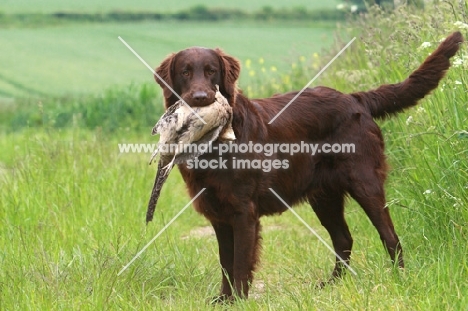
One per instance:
(194,73)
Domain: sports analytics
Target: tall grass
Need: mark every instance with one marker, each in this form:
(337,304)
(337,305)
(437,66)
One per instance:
(72,208)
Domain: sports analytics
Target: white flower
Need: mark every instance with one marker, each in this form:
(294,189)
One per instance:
(340,6)
(457,61)
(458,82)
(420,110)
(409,120)
(354,8)
(461,25)
(428,191)
(425,45)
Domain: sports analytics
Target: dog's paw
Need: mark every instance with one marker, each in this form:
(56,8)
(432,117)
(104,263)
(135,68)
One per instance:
(221,299)
(321,284)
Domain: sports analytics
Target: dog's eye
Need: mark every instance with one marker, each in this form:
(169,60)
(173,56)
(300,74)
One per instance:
(211,72)
(186,73)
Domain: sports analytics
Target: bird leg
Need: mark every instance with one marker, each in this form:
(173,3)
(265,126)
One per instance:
(153,155)
(168,167)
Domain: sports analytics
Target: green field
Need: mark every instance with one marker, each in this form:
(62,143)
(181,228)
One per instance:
(149,5)
(72,208)
(87,58)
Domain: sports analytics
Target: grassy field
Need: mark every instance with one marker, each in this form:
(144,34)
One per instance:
(142,5)
(87,58)
(72,207)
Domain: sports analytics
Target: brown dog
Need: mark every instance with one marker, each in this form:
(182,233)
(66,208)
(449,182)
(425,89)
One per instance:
(235,199)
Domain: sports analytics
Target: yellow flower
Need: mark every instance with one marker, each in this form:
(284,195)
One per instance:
(261,60)
(273,69)
(293,65)
(263,69)
(249,91)
(316,55)
(302,59)
(252,73)
(248,62)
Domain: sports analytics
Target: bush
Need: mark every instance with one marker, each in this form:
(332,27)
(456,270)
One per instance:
(134,107)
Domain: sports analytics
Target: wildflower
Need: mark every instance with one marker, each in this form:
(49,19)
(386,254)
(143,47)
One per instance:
(340,6)
(425,45)
(252,73)
(428,191)
(249,90)
(420,110)
(248,62)
(263,69)
(461,25)
(354,8)
(458,82)
(302,59)
(316,55)
(409,120)
(273,69)
(261,60)
(457,61)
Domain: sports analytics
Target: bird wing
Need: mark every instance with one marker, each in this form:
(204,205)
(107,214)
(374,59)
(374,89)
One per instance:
(165,128)
(169,117)
(228,132)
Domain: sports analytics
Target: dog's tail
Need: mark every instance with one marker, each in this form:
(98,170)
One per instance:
(390,99)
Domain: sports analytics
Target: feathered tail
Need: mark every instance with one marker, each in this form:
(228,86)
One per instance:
(161,176)
(390,99)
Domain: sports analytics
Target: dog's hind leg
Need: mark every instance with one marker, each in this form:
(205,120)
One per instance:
(329,207)
(368,190)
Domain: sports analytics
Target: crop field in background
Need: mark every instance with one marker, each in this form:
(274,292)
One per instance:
(87,58)
(8,6)
(72,208)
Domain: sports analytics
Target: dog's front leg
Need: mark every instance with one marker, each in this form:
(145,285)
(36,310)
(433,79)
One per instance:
(246,227)
(225,237)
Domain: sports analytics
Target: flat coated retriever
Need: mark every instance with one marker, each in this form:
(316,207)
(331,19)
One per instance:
(235,199)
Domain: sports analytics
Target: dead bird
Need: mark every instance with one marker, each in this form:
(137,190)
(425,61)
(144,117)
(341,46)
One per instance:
(181,126)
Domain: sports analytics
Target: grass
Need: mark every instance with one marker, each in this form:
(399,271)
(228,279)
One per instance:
(12,6)
(72,208)
(87,58)
(73,214)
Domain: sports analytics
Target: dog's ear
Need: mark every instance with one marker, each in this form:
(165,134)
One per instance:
(163,76)
(230,69)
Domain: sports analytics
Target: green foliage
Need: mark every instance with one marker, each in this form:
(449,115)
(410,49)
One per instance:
(92,6)
(134,107)
(72,207)
(196,13)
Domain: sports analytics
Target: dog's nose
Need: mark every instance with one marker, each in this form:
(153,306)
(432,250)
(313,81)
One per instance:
(200,96)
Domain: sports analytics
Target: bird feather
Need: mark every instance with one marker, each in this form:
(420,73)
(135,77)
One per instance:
(182,126)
